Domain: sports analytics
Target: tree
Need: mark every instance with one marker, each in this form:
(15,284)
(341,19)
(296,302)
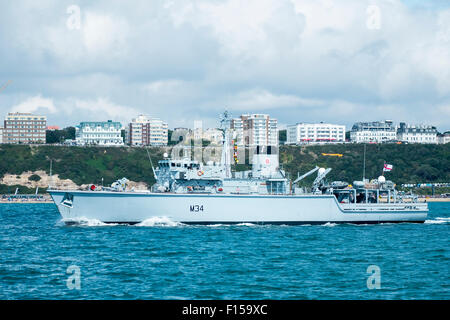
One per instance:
(58,136)
(282,136)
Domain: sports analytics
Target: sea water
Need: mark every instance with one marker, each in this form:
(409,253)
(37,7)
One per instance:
(43,258)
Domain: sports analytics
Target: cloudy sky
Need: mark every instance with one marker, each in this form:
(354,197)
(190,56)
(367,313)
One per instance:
(336,61)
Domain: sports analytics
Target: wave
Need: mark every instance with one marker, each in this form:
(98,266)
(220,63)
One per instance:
(216,225)
(86,222)
(231,225)
(158,222)
(438,220)
(329,224)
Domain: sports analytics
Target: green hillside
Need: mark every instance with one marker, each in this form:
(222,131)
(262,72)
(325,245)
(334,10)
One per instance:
(412,163)
(82,165)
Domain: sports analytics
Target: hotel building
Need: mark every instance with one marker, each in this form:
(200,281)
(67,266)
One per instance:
(378,131)
(24,128)
(416,133)
(315,133)
(103,133)
(444,138)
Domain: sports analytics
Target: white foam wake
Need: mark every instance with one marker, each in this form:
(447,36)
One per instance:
(230,225)
(215,225)
(158,222)
(438,220)
(329,224)
(86,222)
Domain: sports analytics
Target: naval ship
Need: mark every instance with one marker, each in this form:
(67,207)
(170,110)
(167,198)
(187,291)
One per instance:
(191,192)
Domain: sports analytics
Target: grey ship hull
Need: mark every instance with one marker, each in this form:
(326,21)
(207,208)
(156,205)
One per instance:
(135,207)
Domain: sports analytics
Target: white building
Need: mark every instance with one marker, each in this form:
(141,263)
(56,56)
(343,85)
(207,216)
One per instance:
(185,135)
(146,131)
(444,138)
(106,133)
(378,131)
(215,136)
(255,130)
(1,134)
(314,133)
(416,133)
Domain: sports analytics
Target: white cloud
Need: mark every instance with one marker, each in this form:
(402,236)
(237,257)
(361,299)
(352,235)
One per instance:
(34,104)
(163,86)
(258,99)
(100,109)
(104,34)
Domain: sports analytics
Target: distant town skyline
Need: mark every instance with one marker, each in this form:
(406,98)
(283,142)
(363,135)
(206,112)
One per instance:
(298,61)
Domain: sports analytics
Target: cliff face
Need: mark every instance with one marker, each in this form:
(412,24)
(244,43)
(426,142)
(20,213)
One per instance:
(26,179)
(43,180)
(28,167)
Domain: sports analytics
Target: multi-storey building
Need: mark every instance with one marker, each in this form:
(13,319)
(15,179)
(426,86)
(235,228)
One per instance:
(378,131)
(145,131)
(24,128)
(416,133)
(314,133)
(255,130)
(103,133)
(444,138)
(185,135)
(215,136)
(1,134)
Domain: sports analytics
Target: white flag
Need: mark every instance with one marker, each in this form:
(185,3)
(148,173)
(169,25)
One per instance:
(388,167)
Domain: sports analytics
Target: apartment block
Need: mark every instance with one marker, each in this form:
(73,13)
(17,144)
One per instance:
(315,133)
(146,131)
(24,128)
(255,130)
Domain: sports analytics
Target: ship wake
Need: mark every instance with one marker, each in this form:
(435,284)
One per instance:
(438,220)
(159,222)
(86,222)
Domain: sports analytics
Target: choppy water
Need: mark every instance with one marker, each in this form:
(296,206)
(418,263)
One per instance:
(159,259)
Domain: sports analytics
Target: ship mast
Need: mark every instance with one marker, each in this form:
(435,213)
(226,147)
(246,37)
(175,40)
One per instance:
(225,158)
